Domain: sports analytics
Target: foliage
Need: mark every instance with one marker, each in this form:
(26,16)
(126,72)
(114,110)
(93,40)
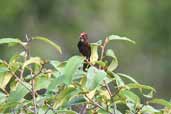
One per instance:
(34,85)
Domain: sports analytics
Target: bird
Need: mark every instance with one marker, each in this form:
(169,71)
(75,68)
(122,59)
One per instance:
(84,48)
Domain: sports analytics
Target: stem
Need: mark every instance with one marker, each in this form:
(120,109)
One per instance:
(27,53)
(50,108)
(18,79)
(83,109)
(102,52)
(103,47)
(139,109)
(34,97)
(27,56)
(111,96)
(40,71)
(96,104)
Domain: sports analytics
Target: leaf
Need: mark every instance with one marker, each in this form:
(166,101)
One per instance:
(2,97)
(64,96)
(116,37)
(76,101)
(3,69)
(42,82)
(130,96)
(138,86)
(49,42)
(66,112)
(1,61)
(91,94)
(71,67)
(94,77)
(101,63)
(35,60)
(149,109)
(55,64)
(19,93)
(142,87)
(127,77)
(98,43)
(55,82)
(94,53)
(119,81)
(161,102)
(10,40)
(4,79)
(114,64)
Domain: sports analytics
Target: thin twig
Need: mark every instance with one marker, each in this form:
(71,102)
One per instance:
(83,109)
(139,109)
(50,108)
(96,104)
(34,96)
(40,71)
(27,56)
(27,53)
(111,96)
(18,79)
(5,91)
(103,47)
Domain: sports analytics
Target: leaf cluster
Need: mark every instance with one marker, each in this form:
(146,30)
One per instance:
(33,85)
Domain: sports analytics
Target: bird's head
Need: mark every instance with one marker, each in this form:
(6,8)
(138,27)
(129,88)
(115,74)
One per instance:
(83,37)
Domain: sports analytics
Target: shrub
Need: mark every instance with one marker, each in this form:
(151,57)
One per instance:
(33,85)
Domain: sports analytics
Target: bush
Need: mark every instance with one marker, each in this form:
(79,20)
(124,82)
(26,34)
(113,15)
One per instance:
(33,85)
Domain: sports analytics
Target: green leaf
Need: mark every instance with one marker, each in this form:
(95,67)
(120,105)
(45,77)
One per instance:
(76,101)
(49,42)
(42,82)
(18,94)
(101,63)
(1,61)
(94,77)
(10,40)
(3,69)
(94,54)
(98,43)
(138,86)
(114,64)
(55,82)
(161,102)
(55,63)
(35,60)
(142,87)
(4,79)
(116,37)
(130,96)
(119,81)
(127,77)
(66,112)
(64,96)
(149,109)
(71,67)
(2,97)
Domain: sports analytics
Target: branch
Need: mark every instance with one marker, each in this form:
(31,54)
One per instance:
(111,96)
(103,47)
(98,105)
(34,96)
(18,79)
(27,53)
(40,71)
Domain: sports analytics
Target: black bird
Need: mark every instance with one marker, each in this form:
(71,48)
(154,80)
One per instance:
(84,48)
